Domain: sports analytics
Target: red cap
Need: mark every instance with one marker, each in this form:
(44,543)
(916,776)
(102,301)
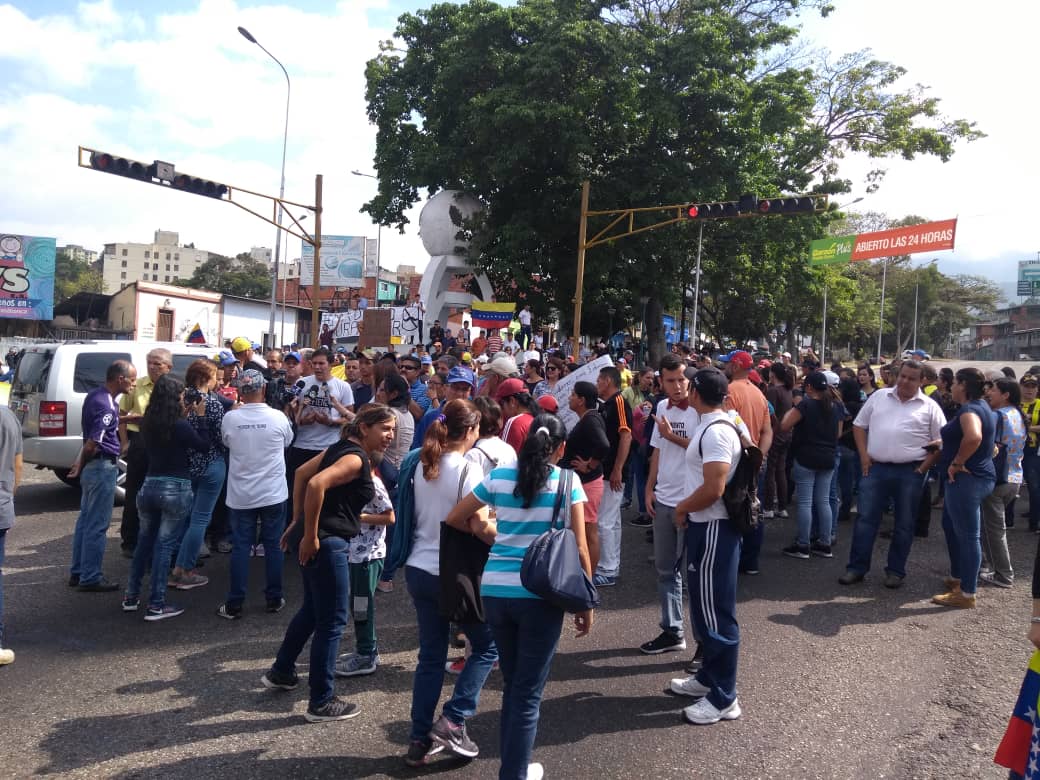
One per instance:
(548,403)
(754,377)
(508,388)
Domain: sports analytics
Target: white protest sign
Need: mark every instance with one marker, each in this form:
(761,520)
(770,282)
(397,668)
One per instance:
(562,391)
(404,323)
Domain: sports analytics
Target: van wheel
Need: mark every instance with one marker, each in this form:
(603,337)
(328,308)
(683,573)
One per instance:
(63,475)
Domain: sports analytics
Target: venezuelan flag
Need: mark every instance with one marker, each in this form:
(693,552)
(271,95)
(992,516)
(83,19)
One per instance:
(492,316)
(1019,751)
(196,336)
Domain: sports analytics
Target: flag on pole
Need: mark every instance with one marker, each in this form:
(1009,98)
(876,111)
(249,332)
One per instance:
(196,336)
(492,316)
(1019,751)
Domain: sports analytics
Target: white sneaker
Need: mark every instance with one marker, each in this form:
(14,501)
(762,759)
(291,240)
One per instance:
(705,713)
(688,686)
(783,514)
(535,772)
(6,656)
(767,514)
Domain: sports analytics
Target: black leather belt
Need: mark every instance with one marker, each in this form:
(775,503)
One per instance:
(105,456)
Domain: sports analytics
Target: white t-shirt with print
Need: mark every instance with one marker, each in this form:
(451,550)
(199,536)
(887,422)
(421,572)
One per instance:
(433,501)
(370,544)
(671,462)
(256,437)
(317,436)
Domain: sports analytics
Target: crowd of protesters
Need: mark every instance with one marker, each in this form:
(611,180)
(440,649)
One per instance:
(360,464)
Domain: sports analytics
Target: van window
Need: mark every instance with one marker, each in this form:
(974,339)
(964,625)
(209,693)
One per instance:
(181,363)
(33,369)
(91,367)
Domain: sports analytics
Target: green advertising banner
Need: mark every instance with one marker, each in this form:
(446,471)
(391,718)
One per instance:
(830,251)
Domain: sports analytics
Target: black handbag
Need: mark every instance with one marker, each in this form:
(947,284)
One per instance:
(552,567)
(462,558)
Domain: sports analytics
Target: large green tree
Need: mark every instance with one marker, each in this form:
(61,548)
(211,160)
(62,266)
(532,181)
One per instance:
(654,102)
(72,276)
(241,275)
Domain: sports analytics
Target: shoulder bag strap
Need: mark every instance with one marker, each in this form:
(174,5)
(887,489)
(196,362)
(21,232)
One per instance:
(558,504)
(462,480)
(700,441)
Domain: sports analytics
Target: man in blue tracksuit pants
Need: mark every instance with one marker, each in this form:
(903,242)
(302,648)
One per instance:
(712,554)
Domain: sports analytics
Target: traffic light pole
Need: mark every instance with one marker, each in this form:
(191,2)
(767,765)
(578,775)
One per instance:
(316,278)
(585,185)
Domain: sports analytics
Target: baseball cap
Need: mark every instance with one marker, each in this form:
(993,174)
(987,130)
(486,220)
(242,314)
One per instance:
(461,374)
(293,356)
(786,355)
(482,359)
(466,357)
(1027,379)
(817,380)
(508,388)
(755,377)
(341,348)
(425,360)
(241,344)
(711,385)
(548,403)
(739,358)
(504,366)
(763,363)
(832,378)
(251,381)
(622,361)
(369,353)
(224,358)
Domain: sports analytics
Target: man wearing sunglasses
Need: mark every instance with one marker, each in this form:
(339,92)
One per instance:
(409,367)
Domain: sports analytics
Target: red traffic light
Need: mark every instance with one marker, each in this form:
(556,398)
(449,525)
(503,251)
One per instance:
(692,211)
(120,166)
(210,189)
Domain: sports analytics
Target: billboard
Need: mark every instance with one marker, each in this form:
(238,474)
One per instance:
(342,261)
(27,277)
(371,257)
(1028,277)
(927,237)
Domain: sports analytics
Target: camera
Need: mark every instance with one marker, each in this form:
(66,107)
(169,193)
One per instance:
(192,395)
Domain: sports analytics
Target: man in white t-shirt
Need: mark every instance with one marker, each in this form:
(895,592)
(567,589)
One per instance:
(525,326)
(712,554)
(256,437)
(325,404)
(676,420)
(511,343)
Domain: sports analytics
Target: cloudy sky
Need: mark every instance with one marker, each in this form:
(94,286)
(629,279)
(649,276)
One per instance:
(183,86)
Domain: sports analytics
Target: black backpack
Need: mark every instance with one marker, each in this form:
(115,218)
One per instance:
(740,496)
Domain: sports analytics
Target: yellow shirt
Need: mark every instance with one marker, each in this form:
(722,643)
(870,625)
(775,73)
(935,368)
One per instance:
(339,371)
(136,401)
(626,378)
(929,389)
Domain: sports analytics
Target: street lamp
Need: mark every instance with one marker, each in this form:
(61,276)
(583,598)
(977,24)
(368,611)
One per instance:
(281,190)
(917,290)
(610,328)
(379,225)
(643,299)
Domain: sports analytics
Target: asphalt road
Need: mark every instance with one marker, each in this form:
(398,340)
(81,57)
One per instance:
(834,682)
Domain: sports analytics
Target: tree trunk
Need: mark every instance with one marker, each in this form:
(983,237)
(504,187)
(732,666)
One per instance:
(654,332)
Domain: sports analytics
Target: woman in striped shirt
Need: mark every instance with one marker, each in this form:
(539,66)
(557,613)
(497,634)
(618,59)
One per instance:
(526,628)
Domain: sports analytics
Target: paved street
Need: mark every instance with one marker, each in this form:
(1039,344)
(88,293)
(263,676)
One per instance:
(834,682)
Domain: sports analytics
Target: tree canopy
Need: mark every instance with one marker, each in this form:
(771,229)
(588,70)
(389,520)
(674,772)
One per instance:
(655,102)
(242,276)
(72,276)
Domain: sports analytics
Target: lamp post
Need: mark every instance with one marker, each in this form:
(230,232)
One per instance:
(281,189)
(285,284)
(643,299)
(917,290)
(610,328)
(379,228)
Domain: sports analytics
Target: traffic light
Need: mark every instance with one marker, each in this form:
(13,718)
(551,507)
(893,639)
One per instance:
(210,189)
(121,166)
(751,206)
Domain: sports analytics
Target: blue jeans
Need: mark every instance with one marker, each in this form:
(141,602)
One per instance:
(638,465)
(901,484)
(206,488)
(813,489)
(326,594)
(526,632)
(433,653)
(243,535)
(163,504)
(849,473)
(712,556)
(97,482)
(961,522)
(1031,467)
(3,544)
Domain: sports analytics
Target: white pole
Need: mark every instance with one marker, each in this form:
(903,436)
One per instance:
(697,284)
(917,288)
(823,341)
(881,314)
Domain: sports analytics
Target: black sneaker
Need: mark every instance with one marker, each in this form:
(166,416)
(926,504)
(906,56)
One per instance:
(73,580)
(229,611)
(98,586)
(275,605)
(333,709)
(454,738)
(822,550)
(163,612)
(642,521)
(663,643)
(420,751)
(696,662)
(275,679)
(796,551)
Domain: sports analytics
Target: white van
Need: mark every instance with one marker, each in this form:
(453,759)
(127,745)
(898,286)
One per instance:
(52,380)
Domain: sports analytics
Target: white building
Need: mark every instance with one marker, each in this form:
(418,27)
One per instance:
(78,253)
(261,254)
(164,312)
(163,261)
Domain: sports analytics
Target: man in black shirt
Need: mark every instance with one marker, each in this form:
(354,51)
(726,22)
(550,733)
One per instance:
(617,416)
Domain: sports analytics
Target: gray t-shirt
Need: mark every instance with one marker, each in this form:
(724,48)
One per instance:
(10,446)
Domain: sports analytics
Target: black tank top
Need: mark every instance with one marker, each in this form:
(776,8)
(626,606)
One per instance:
(341,511)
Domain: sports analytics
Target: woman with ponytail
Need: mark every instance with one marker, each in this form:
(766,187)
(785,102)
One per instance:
(442,477)
(329,492)
(526,628)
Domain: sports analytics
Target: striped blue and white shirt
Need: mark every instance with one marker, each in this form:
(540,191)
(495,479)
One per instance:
(517,527)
